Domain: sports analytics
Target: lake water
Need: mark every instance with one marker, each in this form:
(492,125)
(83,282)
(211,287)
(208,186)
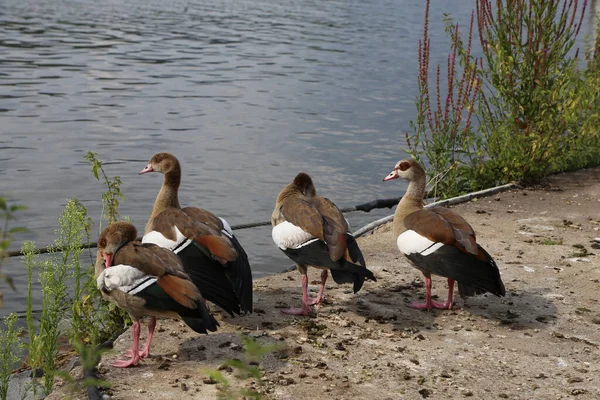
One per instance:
(246,93)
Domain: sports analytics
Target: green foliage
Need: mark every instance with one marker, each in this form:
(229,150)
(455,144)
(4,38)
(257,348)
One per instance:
(442,131)
(253,352)
(7,213)
(110,198)
(69,292)
(527,113)
(104,319)
(92,319)
(89,356)
(81,306)
(34,345)
(10,349)
(537,109)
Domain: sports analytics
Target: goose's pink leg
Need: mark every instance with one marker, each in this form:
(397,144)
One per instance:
(305,310)
(145,352)
(321,296)
(135,357)
(429,304)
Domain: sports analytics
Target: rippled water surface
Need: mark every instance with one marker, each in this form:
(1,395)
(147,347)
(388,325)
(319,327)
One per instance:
(245,93)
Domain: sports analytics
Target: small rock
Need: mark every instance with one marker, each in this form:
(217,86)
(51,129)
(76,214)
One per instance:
(106,397)
(224,367)
(164,365)
(225,344)
(467,392)
(575,379)
(235,347)
(577,392)
(184,387)
(209,381)
(425,393)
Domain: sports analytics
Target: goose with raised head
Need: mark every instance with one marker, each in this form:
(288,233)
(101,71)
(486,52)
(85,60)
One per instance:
(312,231)
(438,241)
(146,280)
(211,254)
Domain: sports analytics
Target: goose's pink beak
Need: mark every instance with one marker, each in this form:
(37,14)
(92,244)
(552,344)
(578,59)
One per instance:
(107,259)
(392,175)
(147,169)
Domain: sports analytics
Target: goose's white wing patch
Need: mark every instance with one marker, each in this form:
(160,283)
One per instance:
(157,238)
(226,228)
(289,236)
(125,278)
(410,242)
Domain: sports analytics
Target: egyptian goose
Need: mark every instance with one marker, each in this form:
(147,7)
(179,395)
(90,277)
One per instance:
(311,230)
(438,241)
(210,252)
(146,280)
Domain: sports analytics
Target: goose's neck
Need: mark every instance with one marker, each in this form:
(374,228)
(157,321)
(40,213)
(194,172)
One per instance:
(167,196)
(411,201)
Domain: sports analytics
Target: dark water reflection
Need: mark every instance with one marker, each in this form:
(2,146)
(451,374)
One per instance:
(245,93)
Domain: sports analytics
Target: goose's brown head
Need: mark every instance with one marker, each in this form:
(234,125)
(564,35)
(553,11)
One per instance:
(161,162)
(115,236)
(405,169)
(304,184)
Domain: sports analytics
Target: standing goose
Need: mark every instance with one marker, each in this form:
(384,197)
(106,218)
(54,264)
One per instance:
(146,280)
(438,241)
(210,253)
(311,230)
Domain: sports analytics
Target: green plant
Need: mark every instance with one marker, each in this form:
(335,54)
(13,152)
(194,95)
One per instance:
(7,213)
(35,343)
(442,131)
(89,356)
(104,319)
(54,275)
(10,349)
(253,352)
(110,198)
(529,72)
(535,103)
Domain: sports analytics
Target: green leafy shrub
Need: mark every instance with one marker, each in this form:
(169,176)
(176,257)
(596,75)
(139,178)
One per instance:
(535,103)
(244,369)
(10,349)
(7,214)
(442,131)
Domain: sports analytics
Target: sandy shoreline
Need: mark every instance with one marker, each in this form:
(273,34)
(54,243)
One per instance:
(539,342)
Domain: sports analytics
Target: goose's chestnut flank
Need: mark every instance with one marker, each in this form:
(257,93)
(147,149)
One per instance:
(146,280)
(205,243)
(312,231)
(438,241)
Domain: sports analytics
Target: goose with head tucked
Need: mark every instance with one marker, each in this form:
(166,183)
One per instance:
(312,231)
(146,280)
(438,241)
(211,254)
